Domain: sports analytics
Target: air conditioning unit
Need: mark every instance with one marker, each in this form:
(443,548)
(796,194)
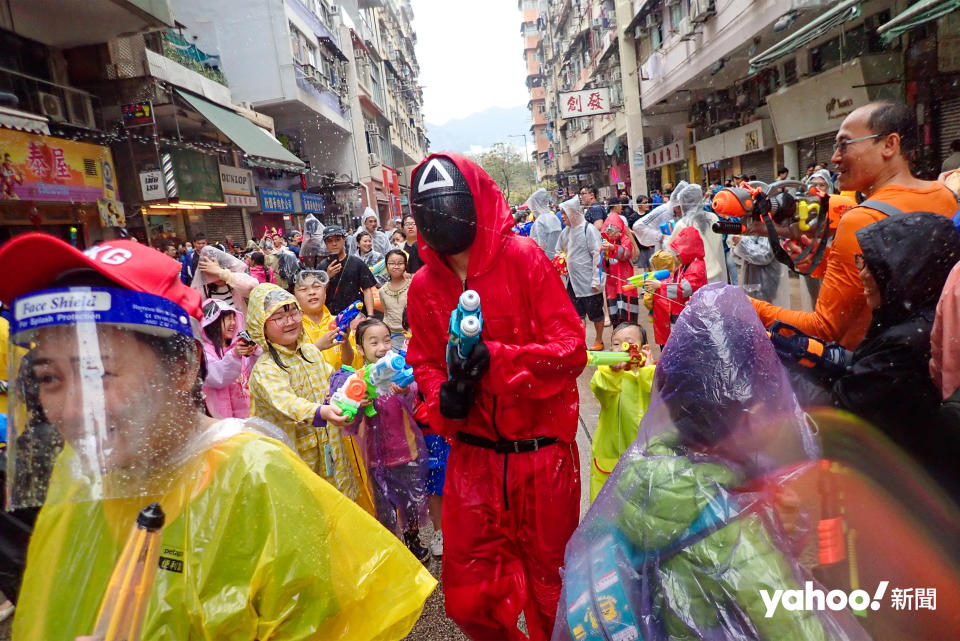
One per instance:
(80,110)
(50,106)
(672,3)
(687,29)
(653,19)
(334,9)
(596,23)
(373,160)
(640,31)
(309,71)
(701,10)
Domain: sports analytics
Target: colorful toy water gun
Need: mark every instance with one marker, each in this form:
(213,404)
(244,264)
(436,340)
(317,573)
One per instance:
(829,360)
(128,591)
(523,229)
(390,368)
(342,322)
(630,354)
(357,388)
(666,228)
(637,280)
(560,263)
(466,323)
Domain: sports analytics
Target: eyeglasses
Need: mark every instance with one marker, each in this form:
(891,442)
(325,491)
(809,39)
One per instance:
(284,317)
(396,264)
(841,145)
(860,263)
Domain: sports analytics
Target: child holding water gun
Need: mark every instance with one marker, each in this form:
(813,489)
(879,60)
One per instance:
(623,391)
(391,444)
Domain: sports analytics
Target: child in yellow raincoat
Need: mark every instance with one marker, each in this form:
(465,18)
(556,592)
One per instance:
(623,391)
(289,383)
(254,546)
(310,288)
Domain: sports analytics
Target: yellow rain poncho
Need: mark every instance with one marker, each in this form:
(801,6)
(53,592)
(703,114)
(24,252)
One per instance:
(624,397)
(289,396)
(313,331)
(256,546)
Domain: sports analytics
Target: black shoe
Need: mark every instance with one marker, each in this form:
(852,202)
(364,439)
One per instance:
(412,541)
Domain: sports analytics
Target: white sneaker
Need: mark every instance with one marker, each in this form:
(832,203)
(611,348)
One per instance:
(436,543)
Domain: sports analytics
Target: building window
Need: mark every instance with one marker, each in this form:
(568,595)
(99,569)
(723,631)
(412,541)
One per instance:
(790,71)
(676,16)
(304,51)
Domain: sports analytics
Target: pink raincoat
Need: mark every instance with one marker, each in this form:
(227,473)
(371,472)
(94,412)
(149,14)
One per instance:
(225,385)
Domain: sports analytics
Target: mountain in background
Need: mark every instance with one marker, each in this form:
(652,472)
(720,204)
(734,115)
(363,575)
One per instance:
(482,129)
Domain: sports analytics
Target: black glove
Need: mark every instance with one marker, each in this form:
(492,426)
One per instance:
(473,367)
(456,397)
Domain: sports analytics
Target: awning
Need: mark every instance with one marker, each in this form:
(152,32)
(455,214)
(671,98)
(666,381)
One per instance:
(915,15)
(332,46)
(23,121)
(261,148)
(847,10)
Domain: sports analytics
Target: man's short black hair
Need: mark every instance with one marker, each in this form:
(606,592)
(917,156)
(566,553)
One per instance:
(591,188)
(404,221)
(166,242)
(955,145)
(890,117)
(811,166)
(200,236)
(783,170)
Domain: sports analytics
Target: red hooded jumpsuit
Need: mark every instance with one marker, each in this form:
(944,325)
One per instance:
(506,517)
(686,279)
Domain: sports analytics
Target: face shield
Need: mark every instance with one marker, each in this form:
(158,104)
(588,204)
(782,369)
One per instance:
(103,383)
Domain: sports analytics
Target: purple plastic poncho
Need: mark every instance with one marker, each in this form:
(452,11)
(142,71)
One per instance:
(394,453)
(686,533)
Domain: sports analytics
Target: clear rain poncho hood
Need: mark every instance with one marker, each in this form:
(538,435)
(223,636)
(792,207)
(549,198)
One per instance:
(225,260)
(381,242)
(546,227)
(312,247)
(684,534)
(647,229)
(581,242)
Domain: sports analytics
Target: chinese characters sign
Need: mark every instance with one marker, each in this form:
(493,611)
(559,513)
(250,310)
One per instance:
(45,168)
(674,152)
(587,102)
(311,203)
(276,200)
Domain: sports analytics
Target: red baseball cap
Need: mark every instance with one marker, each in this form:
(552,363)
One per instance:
(32,262)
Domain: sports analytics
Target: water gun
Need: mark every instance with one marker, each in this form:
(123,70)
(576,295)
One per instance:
(523,229)
(637,280)
(124,604)
(357,388)
(666,228)
(560,263)
(390,368)
(630,354)
(829,360)
(466,322)
(781,214)
(342,322)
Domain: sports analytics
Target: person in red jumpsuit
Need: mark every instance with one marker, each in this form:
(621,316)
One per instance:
(512,493)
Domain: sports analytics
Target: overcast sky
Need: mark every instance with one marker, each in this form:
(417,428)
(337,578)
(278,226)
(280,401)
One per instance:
(471,56)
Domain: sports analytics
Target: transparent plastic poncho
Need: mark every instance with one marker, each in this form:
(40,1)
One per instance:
(686,531)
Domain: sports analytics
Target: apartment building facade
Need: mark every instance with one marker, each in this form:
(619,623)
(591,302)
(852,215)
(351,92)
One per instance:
(702,90)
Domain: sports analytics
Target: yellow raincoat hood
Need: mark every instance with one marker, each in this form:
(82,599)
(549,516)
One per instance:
(265,299)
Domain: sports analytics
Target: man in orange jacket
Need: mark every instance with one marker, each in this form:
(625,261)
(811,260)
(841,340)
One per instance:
(872,153)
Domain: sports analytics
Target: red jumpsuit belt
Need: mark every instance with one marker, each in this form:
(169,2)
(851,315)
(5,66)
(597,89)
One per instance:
(507,447)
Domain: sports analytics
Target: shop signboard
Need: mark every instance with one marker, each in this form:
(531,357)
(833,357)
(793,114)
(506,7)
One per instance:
(44,168)
(234,200)
(151,185)
(137,113)
(111,213)
(198,176)
(666,155)
(278,200)
(588,102)
(819,104)
(234,180)
(311,203)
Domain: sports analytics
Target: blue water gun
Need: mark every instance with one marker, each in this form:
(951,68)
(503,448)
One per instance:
(466,322)
(390,368)
(523,229)
(345,317)
(666,228)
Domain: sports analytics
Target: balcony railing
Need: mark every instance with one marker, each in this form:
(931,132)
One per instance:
(187,54)
(59,103)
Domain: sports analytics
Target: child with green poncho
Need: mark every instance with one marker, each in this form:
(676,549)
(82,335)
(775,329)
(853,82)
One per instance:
(623,391)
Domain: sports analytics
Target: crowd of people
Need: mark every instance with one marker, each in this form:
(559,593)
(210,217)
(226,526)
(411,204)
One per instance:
(212,382)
